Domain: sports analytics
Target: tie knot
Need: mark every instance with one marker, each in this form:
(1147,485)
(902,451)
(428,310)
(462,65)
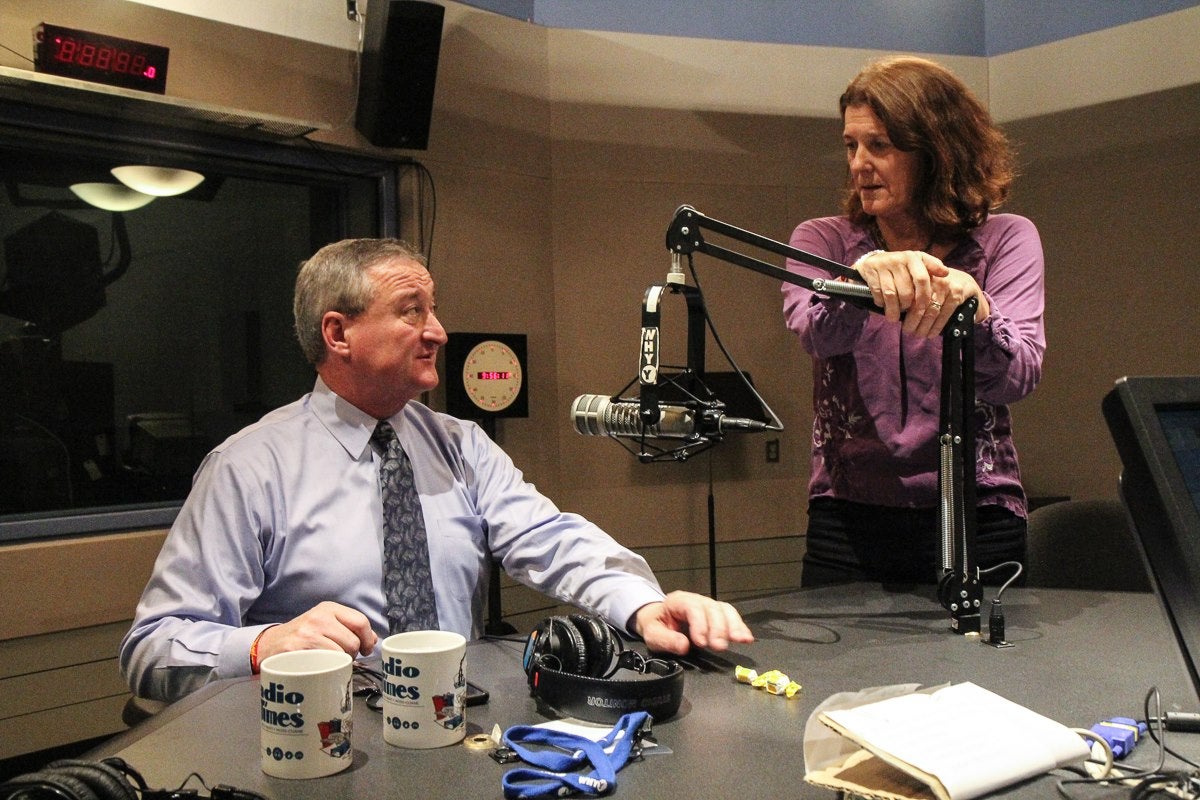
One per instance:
(383,436)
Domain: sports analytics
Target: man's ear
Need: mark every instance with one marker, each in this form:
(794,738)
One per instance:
(333,330)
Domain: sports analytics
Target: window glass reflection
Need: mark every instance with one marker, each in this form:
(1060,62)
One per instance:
(132,342)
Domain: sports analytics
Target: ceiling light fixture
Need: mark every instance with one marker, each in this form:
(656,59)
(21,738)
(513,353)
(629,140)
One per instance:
(158,181)
(110,196)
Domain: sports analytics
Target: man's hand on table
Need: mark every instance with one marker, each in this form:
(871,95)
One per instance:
(684,619)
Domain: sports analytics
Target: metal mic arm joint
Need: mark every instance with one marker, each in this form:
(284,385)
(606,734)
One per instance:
(684,237)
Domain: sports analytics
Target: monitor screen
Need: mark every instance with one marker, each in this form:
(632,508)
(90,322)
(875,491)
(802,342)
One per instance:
(1181,426)
(1155,424)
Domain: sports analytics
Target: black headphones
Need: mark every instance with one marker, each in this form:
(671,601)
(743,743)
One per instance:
(71,779)
(570,662)
(110,779)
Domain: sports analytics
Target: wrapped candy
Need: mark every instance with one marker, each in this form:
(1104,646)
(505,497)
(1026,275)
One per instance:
(774,681)
(745,675)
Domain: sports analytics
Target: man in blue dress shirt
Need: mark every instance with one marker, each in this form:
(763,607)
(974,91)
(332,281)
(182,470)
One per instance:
(279,544)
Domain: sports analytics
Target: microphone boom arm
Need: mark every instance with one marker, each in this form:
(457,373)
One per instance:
(684,237)
(959,589)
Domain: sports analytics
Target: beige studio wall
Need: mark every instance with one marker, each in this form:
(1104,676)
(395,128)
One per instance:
(559,158)
(560,155)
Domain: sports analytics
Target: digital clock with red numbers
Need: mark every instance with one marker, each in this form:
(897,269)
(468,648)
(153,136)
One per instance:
(486,375)
(88,56)
(492,375)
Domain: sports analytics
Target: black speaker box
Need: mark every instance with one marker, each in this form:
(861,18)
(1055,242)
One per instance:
(401,43)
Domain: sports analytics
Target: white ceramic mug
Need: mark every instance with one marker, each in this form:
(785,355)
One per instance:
(425,689)
(305,713)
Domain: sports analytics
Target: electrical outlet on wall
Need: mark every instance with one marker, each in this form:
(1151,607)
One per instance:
(772,451)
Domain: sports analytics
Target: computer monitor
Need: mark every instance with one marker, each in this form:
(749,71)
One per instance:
(1155,424)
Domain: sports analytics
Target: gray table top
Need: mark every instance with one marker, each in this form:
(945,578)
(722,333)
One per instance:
(1079,658)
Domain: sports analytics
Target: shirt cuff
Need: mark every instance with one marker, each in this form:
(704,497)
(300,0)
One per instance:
(622,613)
(994,332)
(234,661)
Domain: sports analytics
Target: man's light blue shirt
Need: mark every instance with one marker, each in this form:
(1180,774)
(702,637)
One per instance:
(287,513)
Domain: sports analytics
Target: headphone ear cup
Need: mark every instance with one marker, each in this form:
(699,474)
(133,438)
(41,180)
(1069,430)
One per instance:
(52,784)
(600,644)
(534,644)
(106,782)
(557,638)
(128,774)
(568,645)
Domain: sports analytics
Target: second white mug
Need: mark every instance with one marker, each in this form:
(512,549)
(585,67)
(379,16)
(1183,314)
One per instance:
(425,688)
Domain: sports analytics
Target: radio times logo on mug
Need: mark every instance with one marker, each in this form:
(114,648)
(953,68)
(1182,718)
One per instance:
(280,710)
(305,713)
(424,689)
(403,687)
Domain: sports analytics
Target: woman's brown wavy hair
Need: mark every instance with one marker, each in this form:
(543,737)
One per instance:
(966,161)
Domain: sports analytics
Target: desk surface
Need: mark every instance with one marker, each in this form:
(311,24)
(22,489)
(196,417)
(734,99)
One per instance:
(1080,657)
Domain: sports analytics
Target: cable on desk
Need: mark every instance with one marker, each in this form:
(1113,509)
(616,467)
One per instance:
(368,684)
(1109,759)
(219,791)
(996,616)
(1146,783)
(1164,724)
(109,779)
(1008,582)
(1173,784)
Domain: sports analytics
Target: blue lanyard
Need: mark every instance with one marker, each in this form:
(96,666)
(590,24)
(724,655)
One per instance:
(563,757)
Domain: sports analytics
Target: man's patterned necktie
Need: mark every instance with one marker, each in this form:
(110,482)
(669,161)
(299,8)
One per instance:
(407,580)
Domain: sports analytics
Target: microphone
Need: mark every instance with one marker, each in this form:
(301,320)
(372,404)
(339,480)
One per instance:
(599,415)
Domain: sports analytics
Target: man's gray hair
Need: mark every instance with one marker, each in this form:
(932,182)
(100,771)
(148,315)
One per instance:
(335,279)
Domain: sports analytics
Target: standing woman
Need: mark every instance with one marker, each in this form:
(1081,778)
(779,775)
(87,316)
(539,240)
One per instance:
(927,168)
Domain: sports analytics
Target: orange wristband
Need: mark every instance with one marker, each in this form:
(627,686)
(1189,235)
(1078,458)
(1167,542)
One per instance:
(254,651)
